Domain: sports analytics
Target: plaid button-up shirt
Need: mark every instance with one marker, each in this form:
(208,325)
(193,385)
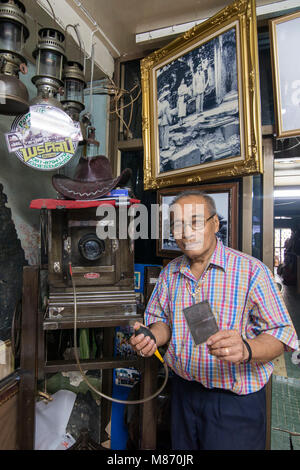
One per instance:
(243,296)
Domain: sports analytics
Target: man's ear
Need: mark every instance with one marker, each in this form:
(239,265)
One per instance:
(217,223)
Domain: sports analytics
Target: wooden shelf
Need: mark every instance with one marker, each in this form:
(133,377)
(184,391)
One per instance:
(267,130)
(130,144)
(34,367)
(91,364)
(91,322)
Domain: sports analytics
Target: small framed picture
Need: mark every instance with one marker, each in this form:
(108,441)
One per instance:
(285,40)
(225,196)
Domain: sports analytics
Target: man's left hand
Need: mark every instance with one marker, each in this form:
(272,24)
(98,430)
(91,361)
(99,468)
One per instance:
(227,345)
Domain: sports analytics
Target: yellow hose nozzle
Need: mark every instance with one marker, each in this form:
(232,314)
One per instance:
(146,332)
(157,354)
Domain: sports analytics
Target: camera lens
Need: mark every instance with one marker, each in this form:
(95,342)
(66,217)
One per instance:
(91,247)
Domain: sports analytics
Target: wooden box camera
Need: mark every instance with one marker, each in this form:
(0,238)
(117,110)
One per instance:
(102,269)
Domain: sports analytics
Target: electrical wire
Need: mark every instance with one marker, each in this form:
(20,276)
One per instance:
(289,148)
(285,203)
(115,400)
(119,93)
(92,78)
(52,11)
(80,42)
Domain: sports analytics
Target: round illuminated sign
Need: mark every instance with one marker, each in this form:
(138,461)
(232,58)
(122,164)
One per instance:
(46,138)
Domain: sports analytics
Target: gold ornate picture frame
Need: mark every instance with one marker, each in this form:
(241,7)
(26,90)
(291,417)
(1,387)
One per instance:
(201,102)
(285,40)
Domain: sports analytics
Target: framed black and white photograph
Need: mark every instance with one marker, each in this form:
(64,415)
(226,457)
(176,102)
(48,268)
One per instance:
(225,196)
(201,117)
(285,40)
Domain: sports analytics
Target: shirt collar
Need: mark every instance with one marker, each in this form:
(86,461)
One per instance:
(219,255)
(218,259)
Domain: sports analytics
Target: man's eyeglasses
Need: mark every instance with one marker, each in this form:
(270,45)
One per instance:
(197,224)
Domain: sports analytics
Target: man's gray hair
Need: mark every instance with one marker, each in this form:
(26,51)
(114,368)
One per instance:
(201,194)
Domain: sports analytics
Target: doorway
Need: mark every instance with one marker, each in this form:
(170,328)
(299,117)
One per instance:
(286,377)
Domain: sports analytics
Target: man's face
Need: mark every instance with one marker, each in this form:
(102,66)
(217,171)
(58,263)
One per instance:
(193,227)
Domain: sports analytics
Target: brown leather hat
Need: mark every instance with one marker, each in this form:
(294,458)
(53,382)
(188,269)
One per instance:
(93,179)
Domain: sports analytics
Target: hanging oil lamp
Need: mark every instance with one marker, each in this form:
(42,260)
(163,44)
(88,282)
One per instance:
(74,85)
(13,35)
(50,59)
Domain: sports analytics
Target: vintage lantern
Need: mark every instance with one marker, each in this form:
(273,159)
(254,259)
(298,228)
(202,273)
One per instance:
(50,59)
(73,100)
(13,35)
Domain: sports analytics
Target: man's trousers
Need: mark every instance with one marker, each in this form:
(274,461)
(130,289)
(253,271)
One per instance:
(216,419)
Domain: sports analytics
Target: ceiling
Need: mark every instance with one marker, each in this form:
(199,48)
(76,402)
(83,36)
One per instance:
(121,20)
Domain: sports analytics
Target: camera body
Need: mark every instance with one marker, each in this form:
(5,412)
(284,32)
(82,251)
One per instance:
(102,269)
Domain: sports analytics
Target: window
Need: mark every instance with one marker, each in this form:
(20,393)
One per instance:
(281,235)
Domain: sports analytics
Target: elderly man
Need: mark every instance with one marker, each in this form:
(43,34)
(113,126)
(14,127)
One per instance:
(218,397)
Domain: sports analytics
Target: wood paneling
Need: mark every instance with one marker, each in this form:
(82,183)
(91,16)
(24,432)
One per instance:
(9,417)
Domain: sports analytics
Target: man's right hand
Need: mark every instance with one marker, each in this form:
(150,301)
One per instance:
(144,346)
